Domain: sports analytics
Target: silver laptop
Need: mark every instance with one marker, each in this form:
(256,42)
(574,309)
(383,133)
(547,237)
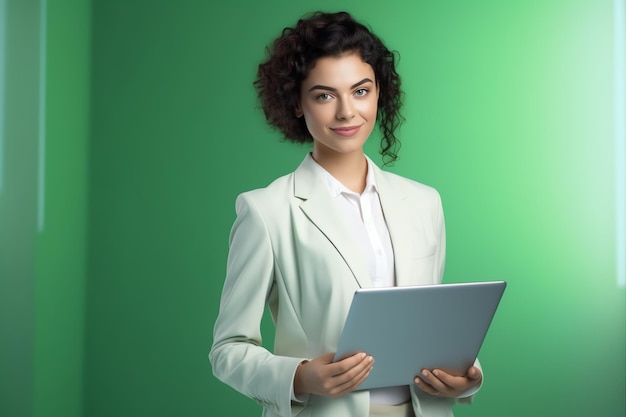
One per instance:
(407,329)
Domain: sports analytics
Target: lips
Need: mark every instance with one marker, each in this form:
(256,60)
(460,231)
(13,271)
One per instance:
(346,131)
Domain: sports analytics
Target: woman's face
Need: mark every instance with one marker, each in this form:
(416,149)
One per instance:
(338,101)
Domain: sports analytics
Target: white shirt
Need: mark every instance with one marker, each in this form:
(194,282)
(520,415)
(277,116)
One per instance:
(364,214)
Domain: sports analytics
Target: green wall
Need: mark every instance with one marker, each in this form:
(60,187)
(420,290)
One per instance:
(152,130)
(509,115)
(43,212)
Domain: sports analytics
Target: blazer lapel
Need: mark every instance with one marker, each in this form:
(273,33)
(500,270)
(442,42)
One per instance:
(394,201)
(322,211)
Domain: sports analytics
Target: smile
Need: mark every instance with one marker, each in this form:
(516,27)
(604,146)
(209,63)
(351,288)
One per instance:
(346,131)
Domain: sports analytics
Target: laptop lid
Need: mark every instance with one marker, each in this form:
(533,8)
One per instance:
(407,329)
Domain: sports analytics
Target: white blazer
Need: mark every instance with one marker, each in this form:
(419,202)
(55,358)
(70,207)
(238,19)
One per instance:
(290,249)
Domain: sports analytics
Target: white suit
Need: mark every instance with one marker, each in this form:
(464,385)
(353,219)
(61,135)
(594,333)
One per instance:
(289,248)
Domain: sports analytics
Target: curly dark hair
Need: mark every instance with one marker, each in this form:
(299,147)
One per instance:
(294,53)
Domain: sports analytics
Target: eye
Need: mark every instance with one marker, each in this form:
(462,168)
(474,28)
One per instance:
(361,92)
(324,97)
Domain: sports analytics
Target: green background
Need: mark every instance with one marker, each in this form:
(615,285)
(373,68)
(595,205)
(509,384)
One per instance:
(107,300)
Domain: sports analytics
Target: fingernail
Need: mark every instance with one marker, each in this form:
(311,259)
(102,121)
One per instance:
(436,372)
(425,373)
(418,381)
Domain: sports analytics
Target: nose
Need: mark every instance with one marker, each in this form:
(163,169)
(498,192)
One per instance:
(345,109)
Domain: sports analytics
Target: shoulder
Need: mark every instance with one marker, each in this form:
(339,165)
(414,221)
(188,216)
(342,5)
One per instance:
(400,185)
(268,198)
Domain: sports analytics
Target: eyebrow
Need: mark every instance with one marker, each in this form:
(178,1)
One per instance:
(334,90)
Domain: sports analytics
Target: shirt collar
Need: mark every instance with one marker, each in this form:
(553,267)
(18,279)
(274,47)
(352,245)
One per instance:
(336,188)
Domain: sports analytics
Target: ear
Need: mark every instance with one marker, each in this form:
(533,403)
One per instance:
(298,111)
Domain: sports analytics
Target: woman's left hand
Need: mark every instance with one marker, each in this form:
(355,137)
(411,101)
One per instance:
(441,384)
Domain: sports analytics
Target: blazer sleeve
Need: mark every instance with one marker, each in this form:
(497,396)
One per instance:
(439,230)
(237,356)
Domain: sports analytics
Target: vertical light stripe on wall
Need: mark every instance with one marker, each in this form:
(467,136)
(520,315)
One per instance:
(620,143)
(41,162)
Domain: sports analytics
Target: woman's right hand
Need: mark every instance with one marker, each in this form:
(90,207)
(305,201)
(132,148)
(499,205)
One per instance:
(322,376)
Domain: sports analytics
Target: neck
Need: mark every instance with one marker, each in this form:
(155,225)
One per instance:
(350,170)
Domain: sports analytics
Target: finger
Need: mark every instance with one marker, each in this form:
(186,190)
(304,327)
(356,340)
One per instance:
(447,380)
(432,378)
(344,365)
(447,385)
(353,383)
(474,373)
(354,373)
(425,386)
(459,383)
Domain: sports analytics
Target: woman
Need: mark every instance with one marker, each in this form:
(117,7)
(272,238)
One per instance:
(307,241)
